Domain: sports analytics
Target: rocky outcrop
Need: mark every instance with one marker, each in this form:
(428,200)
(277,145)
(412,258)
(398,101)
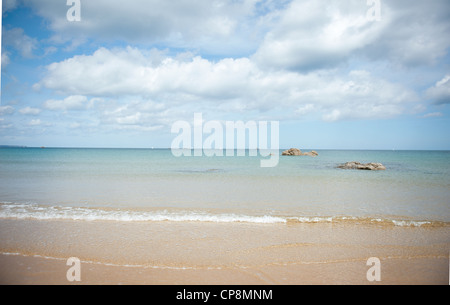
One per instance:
(311,154)
(298,152)
(292,152)
(360,166)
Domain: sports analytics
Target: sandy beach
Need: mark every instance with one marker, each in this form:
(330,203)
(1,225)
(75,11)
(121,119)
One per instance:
(165,253)
(225,142)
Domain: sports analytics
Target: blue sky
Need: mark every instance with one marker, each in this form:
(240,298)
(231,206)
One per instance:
(124,73)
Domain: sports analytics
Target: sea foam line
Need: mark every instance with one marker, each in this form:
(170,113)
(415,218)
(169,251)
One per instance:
(23,211)
(38,212)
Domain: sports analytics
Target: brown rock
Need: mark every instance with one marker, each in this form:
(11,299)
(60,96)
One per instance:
(292,152)
(360,166)
(311,154)
(298,152)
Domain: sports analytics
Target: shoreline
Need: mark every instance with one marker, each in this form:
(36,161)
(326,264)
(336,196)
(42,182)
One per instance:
(228,253)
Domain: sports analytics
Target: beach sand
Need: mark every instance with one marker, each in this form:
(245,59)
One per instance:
(191,253)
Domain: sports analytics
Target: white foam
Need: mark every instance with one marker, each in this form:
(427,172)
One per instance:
(410,223)
(40,212)
(21,211)
(313,219)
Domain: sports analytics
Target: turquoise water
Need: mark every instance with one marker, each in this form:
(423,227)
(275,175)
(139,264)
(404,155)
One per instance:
(146,185)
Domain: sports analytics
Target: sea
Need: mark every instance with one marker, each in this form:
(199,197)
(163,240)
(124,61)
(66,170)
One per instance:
(153,185)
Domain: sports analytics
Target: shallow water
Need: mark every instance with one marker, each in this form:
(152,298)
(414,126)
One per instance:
(153,185)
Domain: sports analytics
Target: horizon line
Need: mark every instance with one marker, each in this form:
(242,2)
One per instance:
(168,148)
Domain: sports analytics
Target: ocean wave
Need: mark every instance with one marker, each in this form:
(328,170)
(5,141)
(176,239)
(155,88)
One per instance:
(41,212)
(32,211)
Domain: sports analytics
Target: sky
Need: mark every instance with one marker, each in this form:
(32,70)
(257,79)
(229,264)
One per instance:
(348,74)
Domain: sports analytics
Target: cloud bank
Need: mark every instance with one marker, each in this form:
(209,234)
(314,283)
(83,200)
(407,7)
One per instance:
(142,65)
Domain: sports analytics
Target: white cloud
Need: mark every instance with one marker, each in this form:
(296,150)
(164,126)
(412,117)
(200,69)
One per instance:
(183,23)
(134,72)
(226,85)
(73,102)
(5,58)
(304,109)
(36,122)
(139,128)
(130,120)
(433,115)
(359,95)
(75,125)
(298,34)
(30,111)
(8,126)
(18,40)
(440,92)
(318,34)
(6,110)
(293,72)
(10,5)
(416,34)
(137,115)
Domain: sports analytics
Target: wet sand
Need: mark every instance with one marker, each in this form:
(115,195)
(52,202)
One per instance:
(160,253)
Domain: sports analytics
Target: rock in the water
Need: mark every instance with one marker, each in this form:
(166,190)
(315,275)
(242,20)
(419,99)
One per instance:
(311,154)
(360,166)
(298,152)
(292,152)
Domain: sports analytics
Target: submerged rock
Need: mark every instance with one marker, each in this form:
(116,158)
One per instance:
(360,166)
(298,152)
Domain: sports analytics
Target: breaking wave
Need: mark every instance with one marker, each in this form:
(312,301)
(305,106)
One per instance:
(41,212)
